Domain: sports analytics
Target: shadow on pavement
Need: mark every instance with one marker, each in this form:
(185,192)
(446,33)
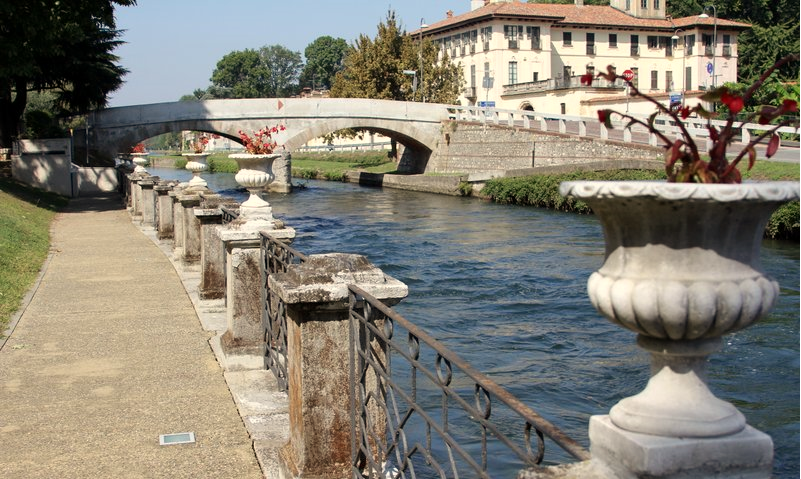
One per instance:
(100,203)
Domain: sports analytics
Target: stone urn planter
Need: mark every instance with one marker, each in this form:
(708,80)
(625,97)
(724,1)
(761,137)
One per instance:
(140,160)
(681,269)
(255,173)
(196,163)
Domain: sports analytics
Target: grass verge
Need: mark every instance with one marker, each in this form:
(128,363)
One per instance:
(543,191)
(25,218)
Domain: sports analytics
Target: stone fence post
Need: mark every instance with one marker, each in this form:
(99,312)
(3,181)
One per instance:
(149,201)
(243,341)
(164,214)
(318,348)
(212,251)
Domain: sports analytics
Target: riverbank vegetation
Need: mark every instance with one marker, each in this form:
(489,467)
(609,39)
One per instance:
(325,166)
(24,241)
(543,191)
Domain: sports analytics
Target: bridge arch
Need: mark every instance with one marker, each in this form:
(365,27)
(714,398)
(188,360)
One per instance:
(415,125)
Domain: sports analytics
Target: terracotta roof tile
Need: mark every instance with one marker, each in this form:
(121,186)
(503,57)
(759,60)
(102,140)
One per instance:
(572,15)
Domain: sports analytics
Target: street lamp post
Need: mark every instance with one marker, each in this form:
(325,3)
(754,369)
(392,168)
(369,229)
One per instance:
(422,89)
(676,38)
(714,41)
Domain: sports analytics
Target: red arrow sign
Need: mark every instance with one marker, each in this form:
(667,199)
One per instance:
(628,75)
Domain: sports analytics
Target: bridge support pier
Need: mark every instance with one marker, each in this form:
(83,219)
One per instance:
(318,357)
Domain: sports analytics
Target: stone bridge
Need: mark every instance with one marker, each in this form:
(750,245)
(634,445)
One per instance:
(415,125)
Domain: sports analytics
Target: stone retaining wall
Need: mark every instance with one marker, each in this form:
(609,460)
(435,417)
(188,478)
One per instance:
(473,147)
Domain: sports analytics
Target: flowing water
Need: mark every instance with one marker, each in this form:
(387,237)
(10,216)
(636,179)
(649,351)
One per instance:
(505,288)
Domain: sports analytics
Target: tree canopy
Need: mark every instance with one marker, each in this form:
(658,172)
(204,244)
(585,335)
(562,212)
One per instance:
(374,68)
(62,47)
(271,71)
(324,58)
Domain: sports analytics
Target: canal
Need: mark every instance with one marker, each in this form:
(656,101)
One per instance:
(505,288)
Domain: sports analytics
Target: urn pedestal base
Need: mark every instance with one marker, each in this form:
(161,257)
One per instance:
(747,454)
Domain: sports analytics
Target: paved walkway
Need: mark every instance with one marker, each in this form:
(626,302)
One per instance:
(108,355)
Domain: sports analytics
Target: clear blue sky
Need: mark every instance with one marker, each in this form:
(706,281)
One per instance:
(172,46)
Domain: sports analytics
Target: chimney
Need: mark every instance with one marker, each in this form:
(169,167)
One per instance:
(579,3)
(449,14)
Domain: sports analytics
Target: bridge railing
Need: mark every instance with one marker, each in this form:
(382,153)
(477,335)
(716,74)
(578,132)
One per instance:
(591,127)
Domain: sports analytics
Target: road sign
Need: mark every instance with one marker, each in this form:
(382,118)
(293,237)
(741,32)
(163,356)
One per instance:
(628,75)
(709,68)
(486,104)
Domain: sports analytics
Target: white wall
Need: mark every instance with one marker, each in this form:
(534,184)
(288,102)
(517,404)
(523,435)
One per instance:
(45,164)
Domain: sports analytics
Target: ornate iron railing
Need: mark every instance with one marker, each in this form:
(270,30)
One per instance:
(276,257)
(419,410)
(228,214)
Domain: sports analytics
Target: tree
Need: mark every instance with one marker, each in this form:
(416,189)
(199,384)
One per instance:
(283,70)
(324,58)
(62,47)
(242,73)
(375,68)
(271,71)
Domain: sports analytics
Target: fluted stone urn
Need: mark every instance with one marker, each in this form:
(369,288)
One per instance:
(196,163)
(682,269)
(255,173)
(140,160)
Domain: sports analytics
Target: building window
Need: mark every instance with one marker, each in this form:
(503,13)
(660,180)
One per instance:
(562,108)
(513,33)
(613,40)
(590,44)
(628,5)
(472,76)
(689,43)
(635,45)
(654,79)
(656,4)
(643,3)
(473,41)
(636,81)
(512,73)
(534,36)
(567,38)
(535,76)
(653,41)
(669,86)
(688,78)
(486,36)
(726,45)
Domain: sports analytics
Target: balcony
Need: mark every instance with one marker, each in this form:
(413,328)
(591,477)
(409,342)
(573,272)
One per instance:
(726,50)
(635,50)
(591,49)
(709,50)
(559,83)
(470,92)
(513,45)
(535,44)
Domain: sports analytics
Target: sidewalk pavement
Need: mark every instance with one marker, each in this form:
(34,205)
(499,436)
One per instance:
(110,353)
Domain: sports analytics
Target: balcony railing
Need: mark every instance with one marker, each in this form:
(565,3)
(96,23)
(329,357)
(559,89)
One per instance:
(726,50)
(558,84)
(513,45)
(535,44)
(709,50)
(470,92)
(590,49)
(635,50)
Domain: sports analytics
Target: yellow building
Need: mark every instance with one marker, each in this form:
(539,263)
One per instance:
(531,56)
